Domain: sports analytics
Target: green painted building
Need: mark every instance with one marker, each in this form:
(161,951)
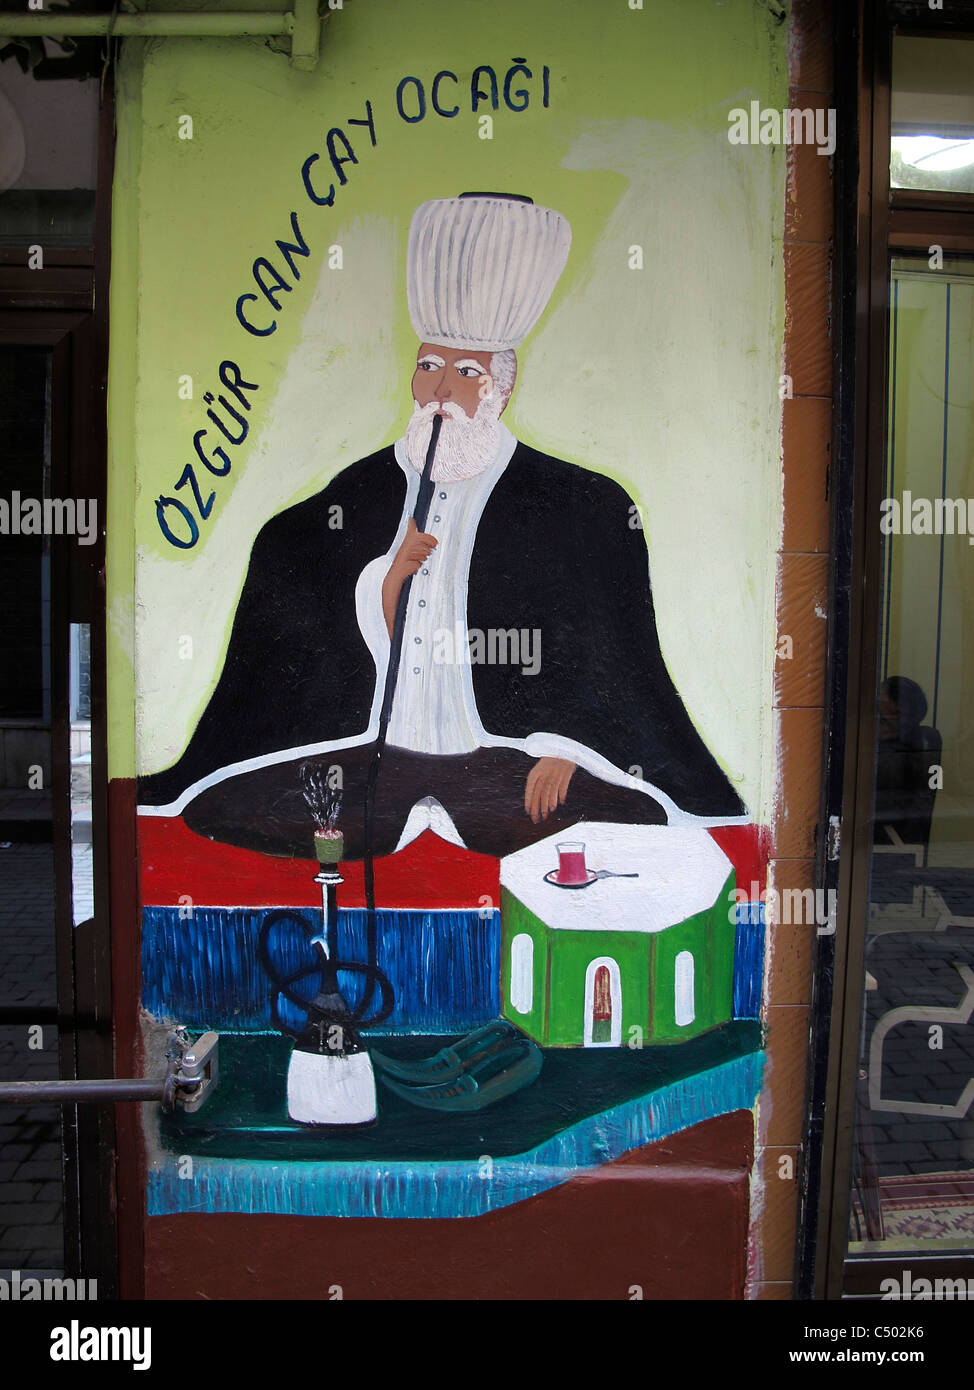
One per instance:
(654,951)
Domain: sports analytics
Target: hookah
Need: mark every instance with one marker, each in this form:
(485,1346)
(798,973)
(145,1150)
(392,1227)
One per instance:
(331,1077)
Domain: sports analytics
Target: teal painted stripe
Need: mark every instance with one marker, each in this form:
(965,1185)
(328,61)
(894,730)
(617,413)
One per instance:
(470,1187)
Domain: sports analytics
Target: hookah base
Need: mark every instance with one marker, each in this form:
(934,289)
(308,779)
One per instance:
(324,1090)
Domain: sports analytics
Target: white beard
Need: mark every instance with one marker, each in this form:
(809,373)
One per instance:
(465,447)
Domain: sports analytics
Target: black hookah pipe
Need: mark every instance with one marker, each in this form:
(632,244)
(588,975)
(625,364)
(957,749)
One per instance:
(420,514)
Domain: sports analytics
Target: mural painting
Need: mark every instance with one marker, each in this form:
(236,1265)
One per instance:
(444,854)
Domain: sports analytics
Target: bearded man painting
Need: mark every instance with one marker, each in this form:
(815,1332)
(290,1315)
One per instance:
(519,548)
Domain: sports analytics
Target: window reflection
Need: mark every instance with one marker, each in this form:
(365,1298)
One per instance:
(913,1184)
(47,159)
(932,114)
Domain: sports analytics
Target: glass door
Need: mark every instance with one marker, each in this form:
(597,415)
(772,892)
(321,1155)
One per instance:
(899,1107)
(913,1143)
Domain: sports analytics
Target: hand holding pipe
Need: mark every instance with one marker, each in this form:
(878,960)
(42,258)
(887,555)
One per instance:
(421,513)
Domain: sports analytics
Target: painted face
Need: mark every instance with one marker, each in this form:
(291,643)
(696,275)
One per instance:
(451,374)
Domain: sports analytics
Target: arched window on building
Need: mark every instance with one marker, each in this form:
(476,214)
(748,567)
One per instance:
(603,1003)
(522,973)
(684,1005)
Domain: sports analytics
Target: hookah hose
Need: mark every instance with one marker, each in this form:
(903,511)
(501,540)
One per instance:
(420,515)
(329,1003)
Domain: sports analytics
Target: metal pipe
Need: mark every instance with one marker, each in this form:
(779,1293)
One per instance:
(175,24)
(69,1092)
(305,35)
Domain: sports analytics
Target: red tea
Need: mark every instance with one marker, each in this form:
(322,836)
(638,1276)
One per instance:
(571,864)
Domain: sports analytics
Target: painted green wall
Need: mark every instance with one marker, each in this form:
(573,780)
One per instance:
(664,378)
(570,954)
(709,937)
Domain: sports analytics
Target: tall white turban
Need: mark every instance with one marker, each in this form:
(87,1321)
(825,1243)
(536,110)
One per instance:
(481,268)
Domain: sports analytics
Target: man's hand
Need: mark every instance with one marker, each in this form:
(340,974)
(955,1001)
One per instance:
(414,552)
(547,787)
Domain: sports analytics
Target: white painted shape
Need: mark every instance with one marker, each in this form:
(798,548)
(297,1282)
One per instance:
(434,710)
(615,994)
(428,814)
(522,973)
(684,1005)
(331,1090)
(682,871)
(508,257)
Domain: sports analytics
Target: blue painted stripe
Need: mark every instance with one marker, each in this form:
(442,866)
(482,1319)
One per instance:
(444,966)
(203,970)
(461,1188)
(749,960)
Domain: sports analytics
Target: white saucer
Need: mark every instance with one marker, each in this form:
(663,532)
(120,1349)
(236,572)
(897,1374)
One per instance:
(552,878)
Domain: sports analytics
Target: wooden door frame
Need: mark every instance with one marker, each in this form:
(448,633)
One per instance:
(64,308)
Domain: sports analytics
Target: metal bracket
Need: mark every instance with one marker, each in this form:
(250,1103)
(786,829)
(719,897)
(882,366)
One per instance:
(192,1069)
(191,1073)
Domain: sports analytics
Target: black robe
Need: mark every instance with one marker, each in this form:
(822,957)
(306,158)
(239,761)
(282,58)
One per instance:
(556,550)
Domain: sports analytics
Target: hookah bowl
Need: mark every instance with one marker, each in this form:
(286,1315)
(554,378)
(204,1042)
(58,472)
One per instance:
(329,848)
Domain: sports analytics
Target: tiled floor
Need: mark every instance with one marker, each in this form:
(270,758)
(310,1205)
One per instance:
(917,970)
(32,809)
(27,966)
(82,884)
(920,936)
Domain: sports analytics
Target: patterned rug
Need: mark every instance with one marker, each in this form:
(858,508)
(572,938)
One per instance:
(930,1206)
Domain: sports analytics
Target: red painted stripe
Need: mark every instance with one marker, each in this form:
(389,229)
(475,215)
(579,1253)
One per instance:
(428,873)
(748,847)
(176,863)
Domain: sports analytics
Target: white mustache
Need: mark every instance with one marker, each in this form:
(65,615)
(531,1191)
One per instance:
(448,408)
